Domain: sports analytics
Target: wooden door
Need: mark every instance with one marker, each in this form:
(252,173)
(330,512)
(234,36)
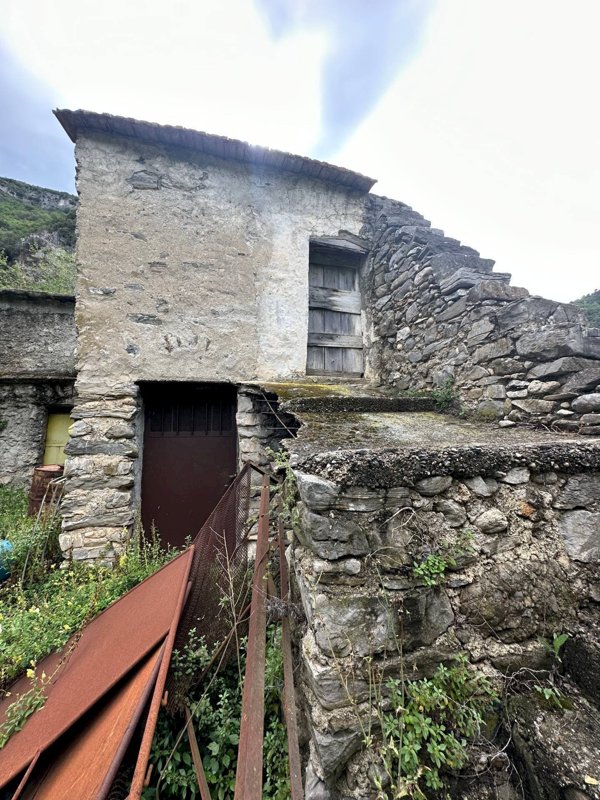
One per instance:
(57,437)
(335,344)
(189,459)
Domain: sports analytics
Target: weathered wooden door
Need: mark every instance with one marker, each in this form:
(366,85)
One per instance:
(190,456)
(335,344)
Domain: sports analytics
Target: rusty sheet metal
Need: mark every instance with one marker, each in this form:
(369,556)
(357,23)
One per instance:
(289,695)
(219,570)
(137,782)
(248,779)
(84,762)
(102,653)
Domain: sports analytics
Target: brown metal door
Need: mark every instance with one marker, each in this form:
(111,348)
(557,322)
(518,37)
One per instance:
(335,344)
(190,456)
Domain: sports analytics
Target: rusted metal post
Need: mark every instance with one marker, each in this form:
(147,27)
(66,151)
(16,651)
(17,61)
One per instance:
(248,780)
(196,758)
(289,695)
(137,782)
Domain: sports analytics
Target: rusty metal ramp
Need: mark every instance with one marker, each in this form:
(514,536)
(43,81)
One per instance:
(94,662)
(85,761)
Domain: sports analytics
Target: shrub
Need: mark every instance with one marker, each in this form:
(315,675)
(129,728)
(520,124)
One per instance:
(427,728)
(216,709)
(38,617)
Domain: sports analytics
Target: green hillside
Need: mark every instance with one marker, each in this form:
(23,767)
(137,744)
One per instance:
(37,237)
(590,303)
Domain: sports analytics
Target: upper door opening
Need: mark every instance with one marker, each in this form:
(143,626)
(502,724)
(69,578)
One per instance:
(335,343)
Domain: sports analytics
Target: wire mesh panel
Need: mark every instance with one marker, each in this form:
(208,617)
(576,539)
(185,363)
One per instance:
(219,576)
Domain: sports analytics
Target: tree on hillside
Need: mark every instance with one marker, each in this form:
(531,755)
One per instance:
(590,305)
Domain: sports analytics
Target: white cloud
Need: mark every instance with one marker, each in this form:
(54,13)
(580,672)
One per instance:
(493,133)
(492,130)
(204,64)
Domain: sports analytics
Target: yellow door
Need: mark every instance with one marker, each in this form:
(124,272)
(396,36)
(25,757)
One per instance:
(57,436)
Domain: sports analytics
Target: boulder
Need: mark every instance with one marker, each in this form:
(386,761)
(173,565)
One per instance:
(516,475)
(590,419)
(492,521)
(584,380)
(357,626)
(334,750)
(533,406)
(426,614)
(526,310)
(553,343)
(445,265)
(581,533)
(453,512)
(507,366)
(495,290)
(483,487)
(587,403)
(318,494)
(437,484)
(562,366)
(537,387)
(579,491)
(493,350)
(331,537)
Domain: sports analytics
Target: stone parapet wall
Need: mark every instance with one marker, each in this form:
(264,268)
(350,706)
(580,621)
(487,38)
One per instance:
(37,335)
(438,313)
(521,548)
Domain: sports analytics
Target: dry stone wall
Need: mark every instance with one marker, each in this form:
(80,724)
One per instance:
(521,545)
(439,313)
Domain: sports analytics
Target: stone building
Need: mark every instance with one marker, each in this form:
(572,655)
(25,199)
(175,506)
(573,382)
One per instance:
(230,296)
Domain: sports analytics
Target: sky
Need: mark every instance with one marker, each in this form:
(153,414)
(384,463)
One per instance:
(480,114)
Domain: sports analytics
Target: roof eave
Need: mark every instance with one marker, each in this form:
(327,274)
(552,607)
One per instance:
(77,122)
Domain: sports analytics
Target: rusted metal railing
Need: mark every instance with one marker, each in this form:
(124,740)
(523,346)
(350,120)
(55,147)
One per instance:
(248,782)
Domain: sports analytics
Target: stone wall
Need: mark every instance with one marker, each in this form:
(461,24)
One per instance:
(438,313)
(23,418)
(192,267)
(520,535)
(37,342)
(103,471)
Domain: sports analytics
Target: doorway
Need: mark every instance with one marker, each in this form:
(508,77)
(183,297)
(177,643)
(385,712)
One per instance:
(335,342)
(190,456)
